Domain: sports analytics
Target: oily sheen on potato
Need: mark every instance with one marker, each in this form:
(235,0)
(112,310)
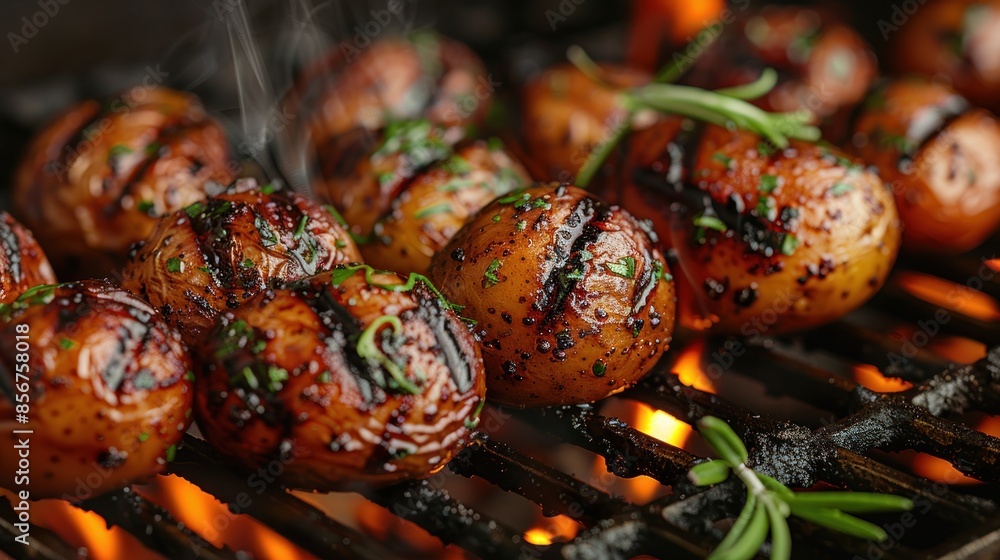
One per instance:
(351,375)
(572,299)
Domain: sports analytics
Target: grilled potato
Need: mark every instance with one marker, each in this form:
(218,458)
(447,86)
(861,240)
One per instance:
(566,116)
(437,203)
(216,254)
(96,179)
(104,382)
(939,155)
(23,264)
(573,300)
(769,241)
(347,376)
(954,39)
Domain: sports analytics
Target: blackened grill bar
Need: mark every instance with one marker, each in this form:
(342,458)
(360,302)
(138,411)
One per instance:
(924,418)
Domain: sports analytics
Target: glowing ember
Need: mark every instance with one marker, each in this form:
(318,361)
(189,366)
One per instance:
(212,520)
(688,367)
(957,349)
(85,530)
(871,378)
(553,529)
(949,295)
(383,525)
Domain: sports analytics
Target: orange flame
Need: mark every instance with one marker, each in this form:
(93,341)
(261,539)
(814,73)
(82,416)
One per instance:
(674,22)
(553,529)
(949,295)
(383,525)
(86,530)
(212,520)
(871,378)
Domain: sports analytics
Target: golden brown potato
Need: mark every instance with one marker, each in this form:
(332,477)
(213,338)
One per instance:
(769,241)
(362,172)
(566,116)
(573,300)
(96,179)
(422,76)
(823,65)
(23,264)
(106,387)
(216,254)
(950,38)
(939,155)
(347,376)
(437,203)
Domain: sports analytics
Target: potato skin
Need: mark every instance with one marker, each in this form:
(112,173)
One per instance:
(437,203)
(95,180)
(954,39)
(23,264)
(940,157)
(566,116)
(362,171)
(303,393)
(109,388)
(424,76)
(572,299)
(807,235)
(216,254)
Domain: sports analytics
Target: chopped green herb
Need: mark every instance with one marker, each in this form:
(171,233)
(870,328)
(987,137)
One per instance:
(174,264)
(143,437)
(490,277)
(710,222)
(340,244)
(585,255)
(723,159)
(494,144)
(473,421)
(171,453)
(385,178)
(658,273)
(301,227)
(457,165)
(625,267)
(576,274)
(195,210)
(205,269)
(269,188)
(275,377)
(599,368)
(324,377)
(766,208)
(145,206)
(66,344)
(367,348)
(541,203)
(518,198)
(840,189)
(789,244)
(119,150)
(766,149)
(431,210)
(151,148)
(768,184)
(521,225)
(189,376)
(247,263)
(497,218)
(258,346)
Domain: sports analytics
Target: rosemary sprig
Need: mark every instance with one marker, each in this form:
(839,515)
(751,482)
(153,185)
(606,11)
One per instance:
(769,502)
(724,107)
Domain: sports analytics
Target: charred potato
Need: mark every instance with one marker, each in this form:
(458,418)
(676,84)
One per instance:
(566,116)
(23,264)
(573,300)
(216,254)
(955,39)
(108,388)
(423,76)
(823,65)
(362,172)
(437,203)
(348,376)
(769,241)
(96,179)
(940,157)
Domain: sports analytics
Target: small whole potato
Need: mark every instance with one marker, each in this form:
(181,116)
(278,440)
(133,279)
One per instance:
(216,254)
(566,117)
(424,75)
(436,204)
(939,155)
(768,241)
(348,376)
(107,386)
(23,264)
(361,172)
(954,39)
(96,179)
(573,301)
